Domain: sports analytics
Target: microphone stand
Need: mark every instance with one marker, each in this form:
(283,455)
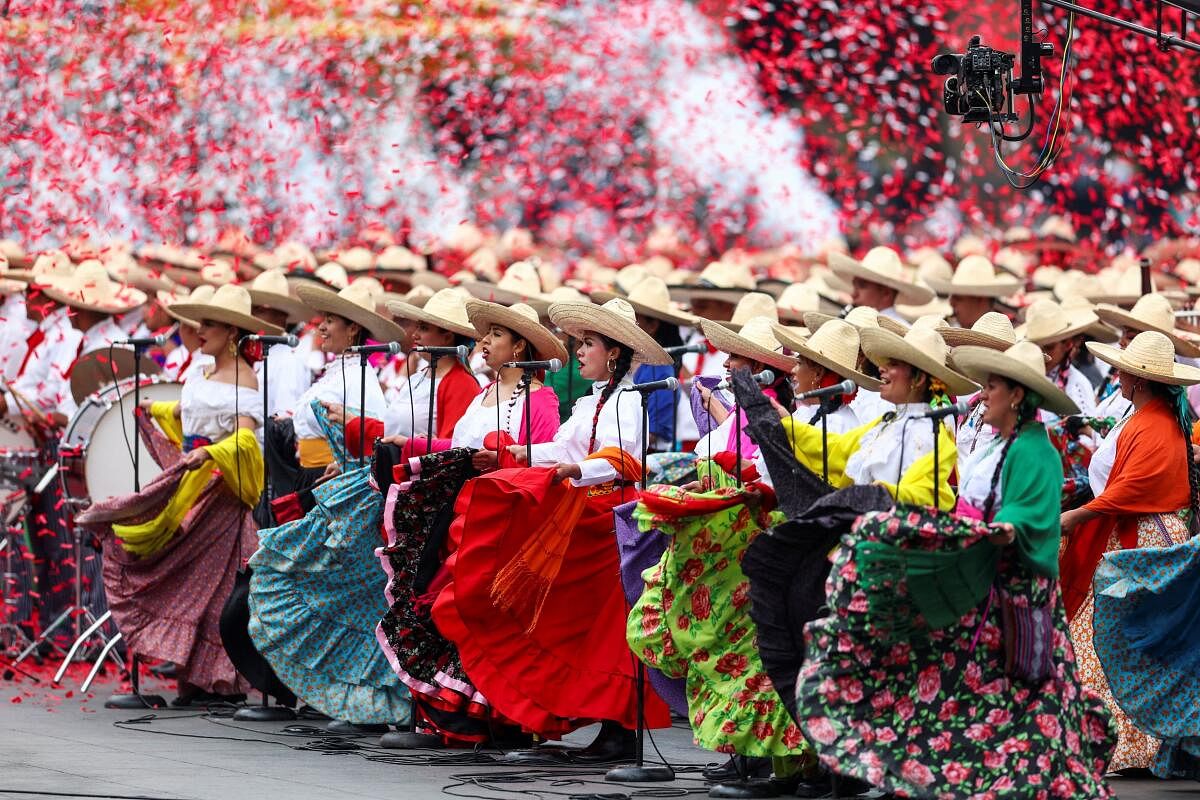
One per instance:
(433,365)
(135,699)
(639,772)
(265,712)
(936,477)
(527,377)
(824,410)
(362,407)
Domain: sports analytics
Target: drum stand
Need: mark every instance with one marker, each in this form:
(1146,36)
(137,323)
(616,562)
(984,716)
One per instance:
(12,636)
(134,700)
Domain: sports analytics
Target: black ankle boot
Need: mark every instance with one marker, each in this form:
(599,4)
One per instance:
(614,743)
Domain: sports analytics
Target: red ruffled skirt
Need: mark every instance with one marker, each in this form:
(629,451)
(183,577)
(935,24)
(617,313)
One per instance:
(573,667)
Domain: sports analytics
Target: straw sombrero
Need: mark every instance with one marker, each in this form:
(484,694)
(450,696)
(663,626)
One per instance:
(397,258)
(1046,322)
(447,309)
(125,268)
(922,348)
(294,256)
(356,304)
(860,317)
(356,259)
(8,286)
(755,341)
(975,277)
(271,289)
(199,295)
(723,281)
(1151,355)
(47,267)
(1098,330)
(616,320)
(992,330)
(797,300)
(1153,312)
(520,283)
(14,253)
(882,265)
(1023,363)
(89,288)
(522,320)
(230,304)
(751,306)
(650,297)
(835,346)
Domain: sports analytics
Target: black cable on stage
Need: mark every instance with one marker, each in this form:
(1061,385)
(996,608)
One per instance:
(106,796)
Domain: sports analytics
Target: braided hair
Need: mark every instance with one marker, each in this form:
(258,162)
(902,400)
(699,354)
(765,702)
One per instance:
(1177,400)
(620,369)
(785,394)
(1026,413)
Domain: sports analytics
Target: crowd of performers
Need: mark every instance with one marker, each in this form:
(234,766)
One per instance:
(829,570)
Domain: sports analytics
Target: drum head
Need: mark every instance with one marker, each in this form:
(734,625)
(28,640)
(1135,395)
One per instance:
(107,463)
(93,369)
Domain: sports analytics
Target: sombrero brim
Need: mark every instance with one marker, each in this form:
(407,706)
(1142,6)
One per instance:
(801,348)
(492,293)
(734,344)
(195,312)
(666,315)
(1074,328)
(1181,375)
(685,294)
(322,300)
(880,345)
(994,290)
(295,309)
(979,362)
(418,314)
(1121,318)
(965,337)
(545,344)
(576,317)
(939,307)
(123,303)
(815,319)
(907,292)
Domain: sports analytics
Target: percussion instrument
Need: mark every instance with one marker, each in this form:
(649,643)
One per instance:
(20,457)
(95,369)
(95,455)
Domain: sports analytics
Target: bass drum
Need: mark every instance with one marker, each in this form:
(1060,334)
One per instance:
(95,455)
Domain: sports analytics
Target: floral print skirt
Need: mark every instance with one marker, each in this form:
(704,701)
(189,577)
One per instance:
(935,713)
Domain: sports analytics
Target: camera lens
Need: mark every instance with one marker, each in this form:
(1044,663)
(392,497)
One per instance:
(946,63)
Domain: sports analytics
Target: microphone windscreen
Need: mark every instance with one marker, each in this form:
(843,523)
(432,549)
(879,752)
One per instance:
(554,366)
(672,384)
(293,340)
(847,386)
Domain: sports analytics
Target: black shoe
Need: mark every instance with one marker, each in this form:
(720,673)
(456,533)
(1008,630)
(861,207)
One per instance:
(349,728)
(199,697)
(737,768)
(744,790)
(615,745)
(166,669)
(853,787)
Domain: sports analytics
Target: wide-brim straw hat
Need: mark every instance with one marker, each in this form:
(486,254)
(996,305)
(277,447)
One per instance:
(1153,312)
(90,288)
(1046,322)
(47,267)
(976,276)
(354,303)
(1099,330)
(1022,363)
(1151,355)
(882,265)
(616,320)
(797,300)
(724,281)
(169,299)
(230,304)
(520,283)
(12,250)
(992,330)
(755,341)
(860,317)
(650,297)
(271,289)
(922,348)
(520,319)
(835,346)
(447,309)
(752,306)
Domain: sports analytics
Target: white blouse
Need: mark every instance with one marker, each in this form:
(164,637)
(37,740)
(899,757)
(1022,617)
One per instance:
(409,415)
(1100,467)
(619,425)
(840,421)
(210,408)
(288,378)
(869,405)
(480,420)
(329,388)
(1115,405)
(975,471)
(890,448)
(973,434)
(1079,389)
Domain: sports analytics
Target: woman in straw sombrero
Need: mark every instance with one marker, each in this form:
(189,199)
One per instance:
(446,701)
(994,331)
(174,549)
(315,594)
(896,449)
(287,371)
(186,358)
(1060,334)
(535,605)
(1147,501)
(927,602)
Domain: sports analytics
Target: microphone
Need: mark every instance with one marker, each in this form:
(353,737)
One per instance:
(764,378)
(958,409)
(367,349)
(553,365)
(670,384)
(291,340)
(143,341)
(679,350)
(462,352)
(845,387)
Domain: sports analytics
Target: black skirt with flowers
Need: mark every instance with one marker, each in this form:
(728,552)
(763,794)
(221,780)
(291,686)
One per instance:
(935,713)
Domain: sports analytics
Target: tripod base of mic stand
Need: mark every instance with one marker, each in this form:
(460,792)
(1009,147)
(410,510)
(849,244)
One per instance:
(264,713)
(410,740)
(135,702)
(644,773)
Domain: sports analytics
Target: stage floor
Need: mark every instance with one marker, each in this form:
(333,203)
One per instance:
(56,742)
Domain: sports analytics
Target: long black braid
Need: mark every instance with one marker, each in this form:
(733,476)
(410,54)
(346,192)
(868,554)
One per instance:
(621,368)
(785,395)
(1026,412)
(1177,399)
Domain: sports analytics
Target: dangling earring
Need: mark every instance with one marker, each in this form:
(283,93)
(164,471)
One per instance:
(233,348)
(612,366)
